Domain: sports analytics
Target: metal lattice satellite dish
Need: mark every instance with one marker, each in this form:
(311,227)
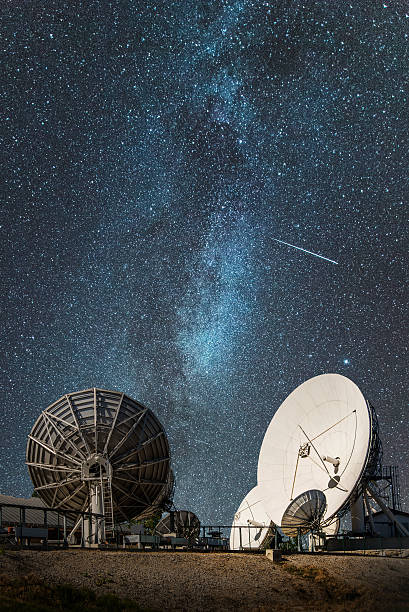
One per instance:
(323,437)
(253,516)
(304,513)
(183,523)
(100,451)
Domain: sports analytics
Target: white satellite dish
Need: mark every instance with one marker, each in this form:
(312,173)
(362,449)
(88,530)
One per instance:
(320,439)
(332,528)
(251,522)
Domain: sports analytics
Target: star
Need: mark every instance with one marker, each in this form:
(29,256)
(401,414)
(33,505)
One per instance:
(153,153)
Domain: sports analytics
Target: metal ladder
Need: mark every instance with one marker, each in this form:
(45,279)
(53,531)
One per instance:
(108,508)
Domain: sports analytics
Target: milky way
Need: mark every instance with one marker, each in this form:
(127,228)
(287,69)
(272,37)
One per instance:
(153,152)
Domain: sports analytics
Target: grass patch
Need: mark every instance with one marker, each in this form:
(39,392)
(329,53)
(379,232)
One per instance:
(31,594)
(334,590)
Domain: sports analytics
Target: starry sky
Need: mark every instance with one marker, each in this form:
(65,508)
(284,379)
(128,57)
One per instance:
(153,154)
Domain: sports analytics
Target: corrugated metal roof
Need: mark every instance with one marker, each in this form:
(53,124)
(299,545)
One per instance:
(21,501)
(10,515)
(395,512)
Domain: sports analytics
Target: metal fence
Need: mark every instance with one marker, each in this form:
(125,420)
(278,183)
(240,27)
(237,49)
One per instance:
(34,525)
(251,538)
(28,524)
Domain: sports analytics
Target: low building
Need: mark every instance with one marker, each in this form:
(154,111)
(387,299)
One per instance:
(17,510)
(24,518)
(385,527)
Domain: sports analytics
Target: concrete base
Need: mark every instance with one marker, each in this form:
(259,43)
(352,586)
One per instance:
(274,554)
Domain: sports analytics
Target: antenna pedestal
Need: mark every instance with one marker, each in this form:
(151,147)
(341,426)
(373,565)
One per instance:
(387,511)
(97,507)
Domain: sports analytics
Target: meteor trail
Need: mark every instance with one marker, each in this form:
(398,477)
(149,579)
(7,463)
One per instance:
(305,251)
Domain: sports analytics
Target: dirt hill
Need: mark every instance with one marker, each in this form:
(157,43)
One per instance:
(216,581)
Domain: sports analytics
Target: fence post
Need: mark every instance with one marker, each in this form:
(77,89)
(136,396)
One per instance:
(82,531)
(65,543)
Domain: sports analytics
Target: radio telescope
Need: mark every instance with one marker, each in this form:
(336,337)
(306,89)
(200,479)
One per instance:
(251,522)
(183,523)
(304,513)
(321,443)
(100,451)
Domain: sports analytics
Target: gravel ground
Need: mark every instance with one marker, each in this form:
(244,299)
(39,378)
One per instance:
(222,581)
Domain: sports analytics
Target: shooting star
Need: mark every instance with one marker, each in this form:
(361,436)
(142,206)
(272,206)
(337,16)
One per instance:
(305,251)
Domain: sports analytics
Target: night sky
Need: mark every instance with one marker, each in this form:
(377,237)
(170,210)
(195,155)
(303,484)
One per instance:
(152,154)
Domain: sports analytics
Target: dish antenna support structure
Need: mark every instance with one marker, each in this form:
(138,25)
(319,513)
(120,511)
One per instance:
(318,459)
(101,452)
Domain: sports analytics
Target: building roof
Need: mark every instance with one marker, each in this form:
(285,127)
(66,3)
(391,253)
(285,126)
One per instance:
(22,501)
(34,513)
(395,512)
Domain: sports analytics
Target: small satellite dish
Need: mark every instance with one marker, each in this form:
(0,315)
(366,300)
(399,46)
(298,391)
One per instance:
(304,513)
(183,523)
(251,522)
(321,438)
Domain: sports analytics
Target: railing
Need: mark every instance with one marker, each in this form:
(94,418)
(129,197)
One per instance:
(253,538)
(28,523)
